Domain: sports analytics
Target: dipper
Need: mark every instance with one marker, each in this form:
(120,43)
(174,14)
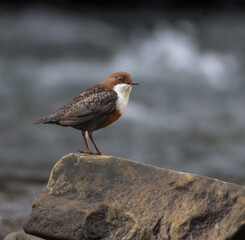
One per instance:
(94,108)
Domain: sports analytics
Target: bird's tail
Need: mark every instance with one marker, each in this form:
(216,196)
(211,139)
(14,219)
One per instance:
(44,120)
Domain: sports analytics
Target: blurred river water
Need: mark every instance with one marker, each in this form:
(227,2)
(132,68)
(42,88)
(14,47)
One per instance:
(187,114)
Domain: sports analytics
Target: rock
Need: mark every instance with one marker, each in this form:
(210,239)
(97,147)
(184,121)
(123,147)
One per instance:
(102,197)
(21,236)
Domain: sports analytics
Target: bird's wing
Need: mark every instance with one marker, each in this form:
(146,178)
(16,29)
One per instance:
(89,105)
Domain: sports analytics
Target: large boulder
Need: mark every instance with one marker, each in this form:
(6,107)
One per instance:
(102,197)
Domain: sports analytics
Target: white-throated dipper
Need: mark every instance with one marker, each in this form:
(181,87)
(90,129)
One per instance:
(94,108)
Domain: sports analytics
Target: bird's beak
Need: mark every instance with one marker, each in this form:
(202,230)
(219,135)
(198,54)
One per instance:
(134,83)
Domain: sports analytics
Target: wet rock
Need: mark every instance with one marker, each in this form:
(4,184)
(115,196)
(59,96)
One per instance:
(21,236)
(102,197)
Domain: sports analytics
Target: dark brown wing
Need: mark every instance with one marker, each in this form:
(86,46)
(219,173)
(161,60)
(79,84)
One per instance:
(91,104)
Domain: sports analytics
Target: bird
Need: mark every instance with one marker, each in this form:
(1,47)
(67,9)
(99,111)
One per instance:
(94,108)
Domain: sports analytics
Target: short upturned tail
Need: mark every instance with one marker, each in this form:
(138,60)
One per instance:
(45,120)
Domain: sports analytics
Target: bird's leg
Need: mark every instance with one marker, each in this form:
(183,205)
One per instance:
(86,141)
(90,134)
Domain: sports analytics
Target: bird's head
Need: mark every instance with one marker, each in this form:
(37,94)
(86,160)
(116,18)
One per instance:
(119,80)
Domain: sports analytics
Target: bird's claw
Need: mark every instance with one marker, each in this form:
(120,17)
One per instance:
(89,152)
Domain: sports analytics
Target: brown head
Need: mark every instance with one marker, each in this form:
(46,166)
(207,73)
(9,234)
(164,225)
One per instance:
(117,78)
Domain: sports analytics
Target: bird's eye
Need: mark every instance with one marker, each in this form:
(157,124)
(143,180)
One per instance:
(119,78)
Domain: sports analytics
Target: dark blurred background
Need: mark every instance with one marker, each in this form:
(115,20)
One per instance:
(187,114)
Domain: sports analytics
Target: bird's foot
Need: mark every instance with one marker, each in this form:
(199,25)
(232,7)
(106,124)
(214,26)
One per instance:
(98,153)
(80,151)
(89,152)
(93,153)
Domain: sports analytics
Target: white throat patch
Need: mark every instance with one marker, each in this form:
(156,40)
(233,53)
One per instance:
(123,90)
